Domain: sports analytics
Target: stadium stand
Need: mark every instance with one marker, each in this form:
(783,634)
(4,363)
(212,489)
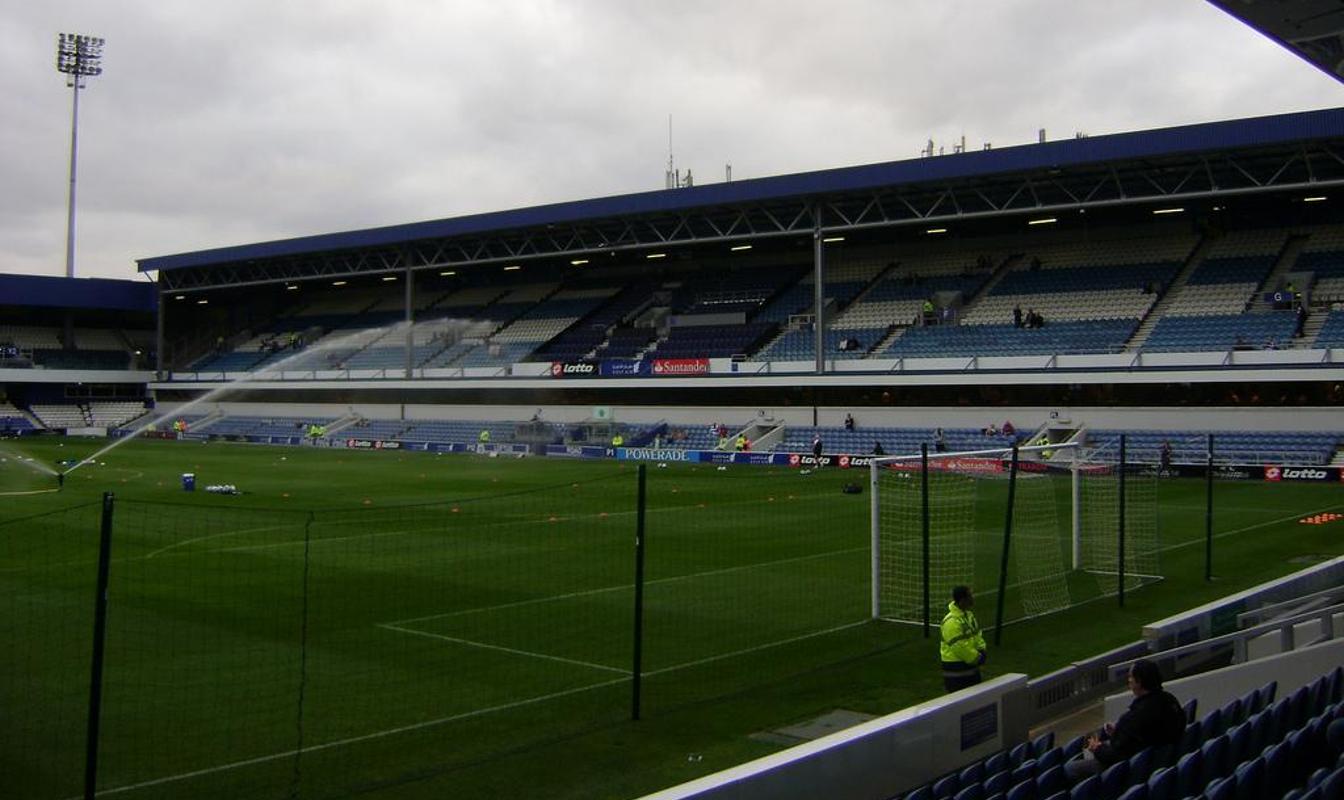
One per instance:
(1238,447)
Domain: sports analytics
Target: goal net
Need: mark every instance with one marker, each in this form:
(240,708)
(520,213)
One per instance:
(1117,525)
(1042,533)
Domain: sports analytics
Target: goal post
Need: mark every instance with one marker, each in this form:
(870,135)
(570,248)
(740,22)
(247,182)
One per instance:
(1057,531)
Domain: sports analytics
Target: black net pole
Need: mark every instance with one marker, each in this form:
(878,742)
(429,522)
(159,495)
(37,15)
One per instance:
(1120,532)
(1007,539)
(99,640)
(300,706)
(924,526)
(1208,514)
(638,654)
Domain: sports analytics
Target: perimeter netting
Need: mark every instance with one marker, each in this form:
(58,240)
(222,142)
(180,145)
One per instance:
(968,501)
(1112,490)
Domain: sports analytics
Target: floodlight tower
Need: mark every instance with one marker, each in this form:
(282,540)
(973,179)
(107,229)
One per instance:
(79,57)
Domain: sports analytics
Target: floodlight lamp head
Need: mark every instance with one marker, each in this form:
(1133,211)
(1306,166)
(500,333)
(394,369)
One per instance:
(79,55)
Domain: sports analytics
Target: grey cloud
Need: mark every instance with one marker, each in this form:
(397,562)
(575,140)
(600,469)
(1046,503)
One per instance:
(221,123)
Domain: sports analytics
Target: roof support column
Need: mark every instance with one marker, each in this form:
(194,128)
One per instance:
(158,333)
(410,320)
(818,293)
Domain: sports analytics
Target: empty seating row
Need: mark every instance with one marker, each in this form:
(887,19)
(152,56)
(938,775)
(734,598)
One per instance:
(1222,332)
(1250,748)
(1101,336)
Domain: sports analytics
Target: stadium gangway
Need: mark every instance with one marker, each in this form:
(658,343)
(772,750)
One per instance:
(1239,639)
(1301,604)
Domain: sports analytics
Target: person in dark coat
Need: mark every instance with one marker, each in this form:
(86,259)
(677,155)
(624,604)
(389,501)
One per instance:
(1155,717)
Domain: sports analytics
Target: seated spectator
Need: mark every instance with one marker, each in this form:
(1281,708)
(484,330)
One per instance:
(849,422)
(877,449)
(1154,718)
(1008,429)
(990,430)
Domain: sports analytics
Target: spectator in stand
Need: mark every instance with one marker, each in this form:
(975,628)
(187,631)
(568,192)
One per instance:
(1008,429)
(816,445)
(878,450)
(1154,718)
(1017,316)
(1164,454)
(991,430)
(849,422)
(939,440)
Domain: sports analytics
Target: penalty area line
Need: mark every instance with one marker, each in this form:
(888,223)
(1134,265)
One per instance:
(501,648)
(352,740)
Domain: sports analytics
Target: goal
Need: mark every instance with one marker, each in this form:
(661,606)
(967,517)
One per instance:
(1032,531)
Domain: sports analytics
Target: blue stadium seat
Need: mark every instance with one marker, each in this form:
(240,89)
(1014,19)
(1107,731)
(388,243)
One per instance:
(1283,719)
(1265,695)
(1239,744)
(1192,738)
(1232,713)
(1189,769)
(1051,781)
(1042,743)
(1141,763)
(922,793)
(998,782)
(1250,779)
(1215,764)
(1221,789)
(1073,747)
(1278,770)
(1138,791)
(973,774)
(1020,753)
(1333,786)
(1262,728)
(1086,789)
(1211,725)
(1050,758)
(972,792)
(946,787)
(1113,780)
(996,763)
(1026,771)
(1162,784)
(1026,790)
(1190,707)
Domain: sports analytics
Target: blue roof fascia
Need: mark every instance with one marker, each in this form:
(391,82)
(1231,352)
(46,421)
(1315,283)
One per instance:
(1212,136)
(105,294)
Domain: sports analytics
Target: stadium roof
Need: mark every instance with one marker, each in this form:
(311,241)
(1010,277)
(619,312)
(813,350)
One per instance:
(1312,29)
(42,291)
(1246,155)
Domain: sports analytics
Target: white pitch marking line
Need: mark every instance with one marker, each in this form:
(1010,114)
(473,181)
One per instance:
(502,649)
(355,739)
(215,536)
(1256,526)
(627,586)
(757,648)
(454,718)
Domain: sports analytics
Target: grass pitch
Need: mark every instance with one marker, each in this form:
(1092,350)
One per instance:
(383,624)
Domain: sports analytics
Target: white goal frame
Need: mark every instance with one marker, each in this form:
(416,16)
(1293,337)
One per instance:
(878,463)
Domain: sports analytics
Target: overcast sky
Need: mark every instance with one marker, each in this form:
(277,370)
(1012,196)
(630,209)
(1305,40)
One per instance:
(220,123)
